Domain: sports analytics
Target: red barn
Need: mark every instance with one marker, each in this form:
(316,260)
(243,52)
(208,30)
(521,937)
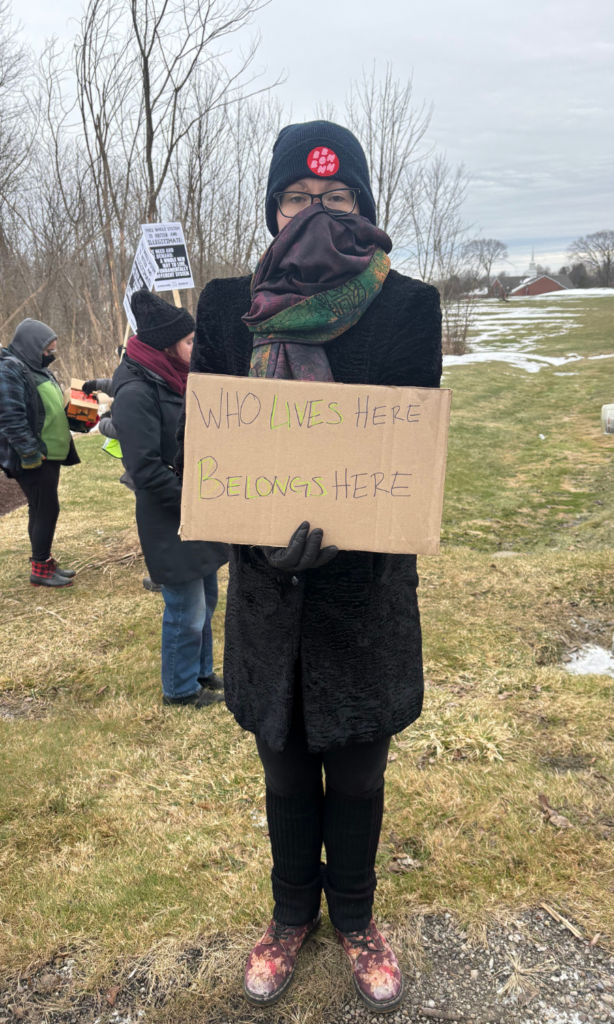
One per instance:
(502,286)
(543,283)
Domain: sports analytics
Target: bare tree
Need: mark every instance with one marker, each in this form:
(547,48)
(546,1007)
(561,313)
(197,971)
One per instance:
(484,252)
(382,114)
(14,142)
(176,41)
(439,252)
(149,73)
(222,188)
(143,120)
(578,275)
(596,252)
(326,111)
(15,149)
(418,197)
(439,245)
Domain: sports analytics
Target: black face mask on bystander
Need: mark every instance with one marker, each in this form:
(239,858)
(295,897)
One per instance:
(29,342)
(47,360)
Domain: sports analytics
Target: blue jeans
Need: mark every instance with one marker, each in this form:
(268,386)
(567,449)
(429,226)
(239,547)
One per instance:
(187,640)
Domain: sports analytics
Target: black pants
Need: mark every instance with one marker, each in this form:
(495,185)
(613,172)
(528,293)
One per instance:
(347,819)
(40,487)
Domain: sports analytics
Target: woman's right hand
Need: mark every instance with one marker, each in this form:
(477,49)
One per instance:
(304,551)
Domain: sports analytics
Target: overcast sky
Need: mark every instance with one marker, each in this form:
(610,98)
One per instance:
(523,95)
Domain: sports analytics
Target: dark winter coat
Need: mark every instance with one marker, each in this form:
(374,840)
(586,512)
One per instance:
(107,427)
(145,414)
(353,624)
(22,413)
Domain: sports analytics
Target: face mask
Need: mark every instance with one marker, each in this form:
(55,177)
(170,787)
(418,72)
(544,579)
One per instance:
(47,360)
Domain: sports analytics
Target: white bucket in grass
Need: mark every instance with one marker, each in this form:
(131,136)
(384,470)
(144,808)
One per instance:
(607,419)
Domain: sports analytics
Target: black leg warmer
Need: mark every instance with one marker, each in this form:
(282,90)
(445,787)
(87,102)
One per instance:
(295,830)
(351,833)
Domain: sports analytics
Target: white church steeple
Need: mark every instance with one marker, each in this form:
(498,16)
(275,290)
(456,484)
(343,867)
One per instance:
(532,264)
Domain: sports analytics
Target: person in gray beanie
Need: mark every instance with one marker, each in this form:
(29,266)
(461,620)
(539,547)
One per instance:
(148,388)
(35,440)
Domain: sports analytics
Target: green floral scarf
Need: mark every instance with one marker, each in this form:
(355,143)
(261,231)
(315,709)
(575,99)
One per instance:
(289,327)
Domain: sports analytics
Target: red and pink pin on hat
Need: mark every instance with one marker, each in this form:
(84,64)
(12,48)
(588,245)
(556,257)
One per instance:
(323,161)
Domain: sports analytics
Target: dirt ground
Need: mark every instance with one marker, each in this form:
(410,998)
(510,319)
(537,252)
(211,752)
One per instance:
(11,495)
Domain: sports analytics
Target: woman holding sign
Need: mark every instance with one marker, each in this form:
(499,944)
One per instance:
(323,647)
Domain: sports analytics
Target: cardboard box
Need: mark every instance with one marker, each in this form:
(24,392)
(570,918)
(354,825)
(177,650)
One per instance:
(367,464)
(80,406)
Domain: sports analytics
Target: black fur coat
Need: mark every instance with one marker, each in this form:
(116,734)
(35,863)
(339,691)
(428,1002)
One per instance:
(352,625)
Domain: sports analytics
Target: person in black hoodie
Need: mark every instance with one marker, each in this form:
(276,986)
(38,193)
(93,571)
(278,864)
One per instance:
(323,656)
(35,440)
(148,388)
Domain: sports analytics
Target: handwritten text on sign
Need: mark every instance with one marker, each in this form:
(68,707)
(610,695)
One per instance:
(258,451)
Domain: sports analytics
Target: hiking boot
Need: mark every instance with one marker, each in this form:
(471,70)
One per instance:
(377,975)
(212,682)
(45,574)
(201,699)
(68,573)
(270,966)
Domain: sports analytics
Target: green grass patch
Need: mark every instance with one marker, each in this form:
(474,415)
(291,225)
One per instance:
(129,831)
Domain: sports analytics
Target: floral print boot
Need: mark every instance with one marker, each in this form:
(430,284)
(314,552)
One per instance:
(377,975)
(271,963)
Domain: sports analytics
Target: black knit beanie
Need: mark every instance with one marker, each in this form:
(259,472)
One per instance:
(158,324)
(318,149)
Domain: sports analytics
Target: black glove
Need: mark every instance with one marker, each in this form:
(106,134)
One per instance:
(89,386)
(303,551)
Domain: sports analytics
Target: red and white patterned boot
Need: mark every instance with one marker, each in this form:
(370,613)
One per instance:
(377,975)
(271,963)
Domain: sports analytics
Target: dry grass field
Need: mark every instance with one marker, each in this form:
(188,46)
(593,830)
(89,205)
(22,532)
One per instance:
(133,847)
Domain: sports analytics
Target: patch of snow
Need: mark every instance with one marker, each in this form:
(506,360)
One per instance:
(571,293)
(571,373)
(512,354)
(510,334)
(591,660)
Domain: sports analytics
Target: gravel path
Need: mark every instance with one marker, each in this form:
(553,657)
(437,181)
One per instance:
(534,972)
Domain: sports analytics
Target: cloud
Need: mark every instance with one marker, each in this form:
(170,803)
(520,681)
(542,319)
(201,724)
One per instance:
(522,94)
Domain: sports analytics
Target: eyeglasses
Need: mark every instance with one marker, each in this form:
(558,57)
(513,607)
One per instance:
(339,201)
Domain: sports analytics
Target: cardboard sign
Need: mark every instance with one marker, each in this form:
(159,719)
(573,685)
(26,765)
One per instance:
(78,405)
(367,464)
(142,275)
(167,246)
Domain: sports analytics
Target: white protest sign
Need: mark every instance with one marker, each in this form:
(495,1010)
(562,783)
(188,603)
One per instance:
(142,275)
(167,246)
